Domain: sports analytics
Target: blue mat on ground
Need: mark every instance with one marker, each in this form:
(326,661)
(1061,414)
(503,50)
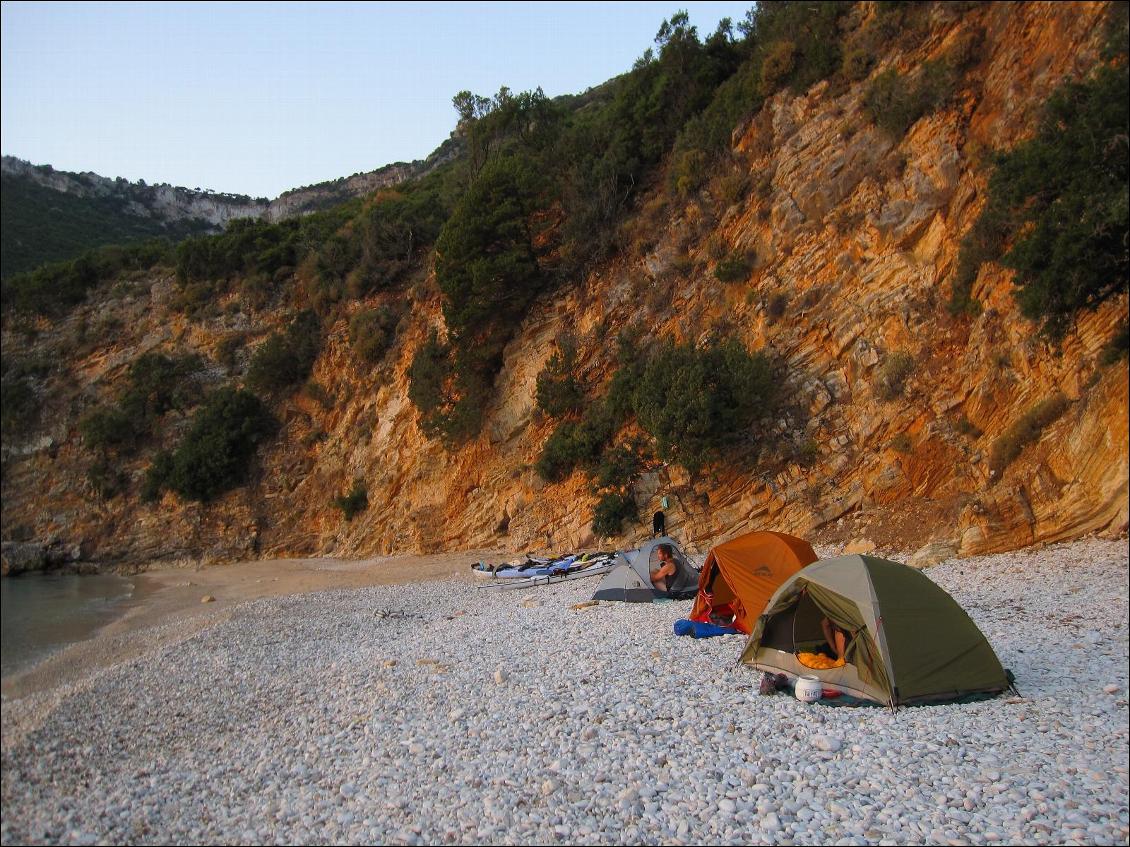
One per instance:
(698,629)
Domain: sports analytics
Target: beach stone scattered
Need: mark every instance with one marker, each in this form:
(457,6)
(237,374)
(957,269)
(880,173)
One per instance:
(207,598)
(308,719)
(827,743)
(932,554)
(859,545)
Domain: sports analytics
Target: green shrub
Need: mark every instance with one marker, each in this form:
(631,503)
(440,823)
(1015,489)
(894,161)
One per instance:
(227,349)
(735,268)
(619,403)
(55,288)
(19,406)
(285,360)
(856,65)
(778,305)
(355,502)
(106,480)
(894,102)
(777,66)
(620,466)
(688,172)
(427,375)
(215,455)
(901,443)
(1117,348)
(485,261)
(807,453)
(157,476)
(110,428)
(732,188)
(682,265)
(158,383)
(892,375)
(1064,193)
(610,513)
(372,332)
(249,247)
(967,427)
(1025,431)
(695,402)
(1058,204)
(575,444)
(558,392)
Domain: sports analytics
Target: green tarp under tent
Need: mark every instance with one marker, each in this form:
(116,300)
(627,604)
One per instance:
(907,640)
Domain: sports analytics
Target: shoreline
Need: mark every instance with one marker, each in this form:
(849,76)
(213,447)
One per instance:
(172,595)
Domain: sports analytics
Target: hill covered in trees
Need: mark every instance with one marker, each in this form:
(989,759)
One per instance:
(832,262)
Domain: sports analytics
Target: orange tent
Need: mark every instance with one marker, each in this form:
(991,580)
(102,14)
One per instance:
(741,575)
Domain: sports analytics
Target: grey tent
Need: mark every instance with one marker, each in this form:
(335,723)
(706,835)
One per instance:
(631,580)
(908,640)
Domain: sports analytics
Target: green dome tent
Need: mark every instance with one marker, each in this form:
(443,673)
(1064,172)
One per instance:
(908,641)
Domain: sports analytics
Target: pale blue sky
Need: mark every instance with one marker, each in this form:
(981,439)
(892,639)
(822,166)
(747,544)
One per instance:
(261,97)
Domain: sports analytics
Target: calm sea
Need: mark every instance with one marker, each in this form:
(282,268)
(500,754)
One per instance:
(42,613)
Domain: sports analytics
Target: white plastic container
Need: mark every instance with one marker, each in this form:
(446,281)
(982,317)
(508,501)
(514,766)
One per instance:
(808,689)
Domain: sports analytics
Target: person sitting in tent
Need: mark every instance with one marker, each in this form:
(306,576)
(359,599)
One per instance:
(667,568)
(836,637)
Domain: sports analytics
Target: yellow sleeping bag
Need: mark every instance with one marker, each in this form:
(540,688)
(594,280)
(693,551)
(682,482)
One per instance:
(818,661)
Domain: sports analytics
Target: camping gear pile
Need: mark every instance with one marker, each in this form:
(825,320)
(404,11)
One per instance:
(902,640)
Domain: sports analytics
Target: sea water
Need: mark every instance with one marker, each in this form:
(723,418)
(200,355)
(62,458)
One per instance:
(43,613)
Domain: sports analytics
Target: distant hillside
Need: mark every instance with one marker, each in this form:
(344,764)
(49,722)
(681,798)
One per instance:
(51,215)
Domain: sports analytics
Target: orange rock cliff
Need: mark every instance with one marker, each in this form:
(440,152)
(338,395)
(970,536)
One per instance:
(856,238)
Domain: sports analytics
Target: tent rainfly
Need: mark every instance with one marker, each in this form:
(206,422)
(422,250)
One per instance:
(740,575)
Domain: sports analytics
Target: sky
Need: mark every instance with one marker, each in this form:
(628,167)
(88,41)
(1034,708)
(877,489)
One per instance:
(258,98)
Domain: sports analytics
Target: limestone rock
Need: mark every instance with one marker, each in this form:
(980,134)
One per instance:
(932,553)
(21,557)
(859,545)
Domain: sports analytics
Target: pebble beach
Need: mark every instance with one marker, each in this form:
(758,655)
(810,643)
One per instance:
(442,713)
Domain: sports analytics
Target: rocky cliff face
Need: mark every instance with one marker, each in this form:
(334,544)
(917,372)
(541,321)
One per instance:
(856,237)
(163,202)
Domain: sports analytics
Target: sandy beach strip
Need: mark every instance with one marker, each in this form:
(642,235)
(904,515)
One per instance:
(439,712)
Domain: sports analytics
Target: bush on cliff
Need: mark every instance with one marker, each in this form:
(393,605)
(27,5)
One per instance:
(1057,205)
(285,359)
(355,502)
(610,513)
(1025,431)
(695,402)
(558,392)
(371,332)
(215,455)
(55,288)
